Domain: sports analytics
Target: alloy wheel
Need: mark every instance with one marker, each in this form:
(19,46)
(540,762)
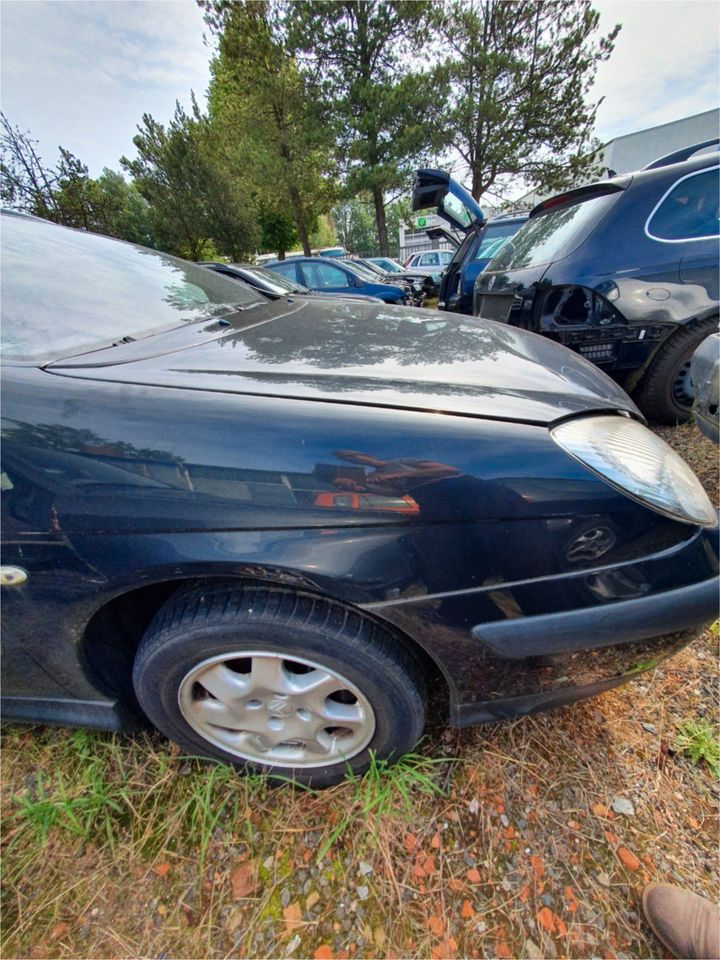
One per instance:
(276,709)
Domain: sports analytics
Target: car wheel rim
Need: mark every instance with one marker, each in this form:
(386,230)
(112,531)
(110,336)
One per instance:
(276,710)
(683,390)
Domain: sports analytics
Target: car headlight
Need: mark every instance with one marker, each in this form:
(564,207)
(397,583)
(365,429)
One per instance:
(630,457)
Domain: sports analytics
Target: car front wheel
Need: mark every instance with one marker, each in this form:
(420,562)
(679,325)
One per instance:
(278,681)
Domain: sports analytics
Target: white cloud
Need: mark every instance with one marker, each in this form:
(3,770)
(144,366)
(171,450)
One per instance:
(664,66)
(81,74)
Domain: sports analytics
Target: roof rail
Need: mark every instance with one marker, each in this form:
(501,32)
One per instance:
(679,155)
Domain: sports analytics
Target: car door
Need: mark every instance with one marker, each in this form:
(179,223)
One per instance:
(431,259)
(40,570)
(686,220)
(435,188)
(327,277)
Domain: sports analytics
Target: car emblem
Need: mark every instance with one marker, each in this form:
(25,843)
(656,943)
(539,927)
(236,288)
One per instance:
(280,707)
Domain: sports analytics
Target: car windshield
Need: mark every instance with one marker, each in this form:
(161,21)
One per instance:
(276,281)
(392,266)
(494,237)
(553,235)
(374,268)
(65,291)
(365,273)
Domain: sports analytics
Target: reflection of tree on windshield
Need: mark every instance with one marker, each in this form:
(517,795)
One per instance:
(525,247)
(185,296)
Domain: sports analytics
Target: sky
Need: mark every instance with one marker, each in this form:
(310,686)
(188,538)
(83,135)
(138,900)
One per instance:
(81,74)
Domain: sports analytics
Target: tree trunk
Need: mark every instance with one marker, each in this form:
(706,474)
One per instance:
(381,221)
(281,254)
(304,238)
(477,185)
(297,209)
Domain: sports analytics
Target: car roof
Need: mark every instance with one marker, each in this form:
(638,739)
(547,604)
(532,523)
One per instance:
(664,173)
(518,217)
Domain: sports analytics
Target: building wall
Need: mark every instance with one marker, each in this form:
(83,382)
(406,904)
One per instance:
(637,150)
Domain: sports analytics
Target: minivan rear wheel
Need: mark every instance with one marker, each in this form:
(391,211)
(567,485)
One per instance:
(279,682)
(665,393)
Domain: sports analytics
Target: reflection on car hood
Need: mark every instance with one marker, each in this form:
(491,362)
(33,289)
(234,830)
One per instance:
(365,353)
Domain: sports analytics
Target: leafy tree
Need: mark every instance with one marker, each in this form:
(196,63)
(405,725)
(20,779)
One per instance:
(520,75)
(264,110)
(127,215)
(67,194)
(324,234)
(364,52)
(355,225)
(357,230)
(27,183)
(278,232)
(399,213)
(196,202)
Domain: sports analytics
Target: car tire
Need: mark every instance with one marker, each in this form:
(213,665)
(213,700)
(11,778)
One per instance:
(274,663)
(662,393)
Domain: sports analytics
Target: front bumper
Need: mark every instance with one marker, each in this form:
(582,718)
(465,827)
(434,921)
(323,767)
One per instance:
(566,678)
(592,628)
(574,654)
(514,648)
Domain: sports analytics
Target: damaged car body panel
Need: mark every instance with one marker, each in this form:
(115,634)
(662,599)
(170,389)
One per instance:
(605,270)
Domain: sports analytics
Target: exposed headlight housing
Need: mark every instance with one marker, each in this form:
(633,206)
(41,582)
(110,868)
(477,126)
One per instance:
(632,458)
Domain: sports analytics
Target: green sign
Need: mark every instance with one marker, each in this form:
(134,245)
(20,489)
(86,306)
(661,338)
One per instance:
(421,222)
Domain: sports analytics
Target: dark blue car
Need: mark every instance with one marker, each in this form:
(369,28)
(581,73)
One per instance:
(481,238)
(625,272)
(336,276)
(270,527)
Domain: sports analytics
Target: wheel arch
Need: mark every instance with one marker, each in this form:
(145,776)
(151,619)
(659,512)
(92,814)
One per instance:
(114,631)
(636,380)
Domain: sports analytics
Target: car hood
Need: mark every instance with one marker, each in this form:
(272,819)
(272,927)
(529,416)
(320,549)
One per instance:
(369,354)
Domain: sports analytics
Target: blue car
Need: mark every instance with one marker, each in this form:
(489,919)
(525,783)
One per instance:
(482,238)
(337,276)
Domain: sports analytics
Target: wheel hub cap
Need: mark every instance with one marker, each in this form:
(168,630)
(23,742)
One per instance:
(274,709)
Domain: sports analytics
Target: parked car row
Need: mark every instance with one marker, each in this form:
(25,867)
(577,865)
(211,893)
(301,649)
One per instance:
(267,524)
(336,276)
(623,271)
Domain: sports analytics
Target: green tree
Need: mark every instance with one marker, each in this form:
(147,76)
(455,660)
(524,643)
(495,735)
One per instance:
(520,75)
(277,229)
(364,52)
(264,111)
(126,214)
(399,213)
(197,202)
(355,225)
(324,234)
(67,194)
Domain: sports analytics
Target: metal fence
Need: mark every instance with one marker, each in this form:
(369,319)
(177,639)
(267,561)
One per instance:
(401,253)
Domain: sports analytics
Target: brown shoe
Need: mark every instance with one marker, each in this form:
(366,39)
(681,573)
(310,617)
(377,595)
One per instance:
(688,925)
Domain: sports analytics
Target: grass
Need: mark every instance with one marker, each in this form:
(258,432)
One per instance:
(699,741)
(120,846)
(386,792)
